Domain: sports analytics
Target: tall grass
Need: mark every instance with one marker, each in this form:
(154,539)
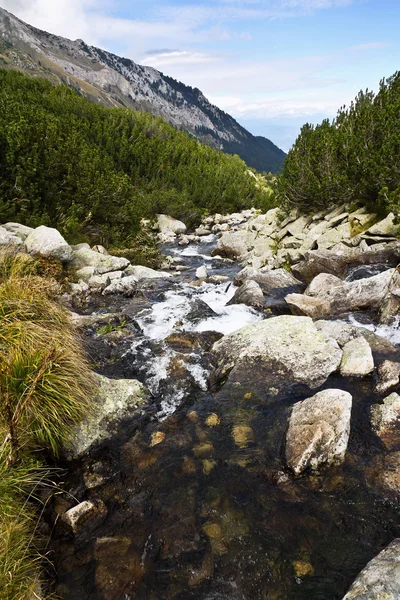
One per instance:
(45,388)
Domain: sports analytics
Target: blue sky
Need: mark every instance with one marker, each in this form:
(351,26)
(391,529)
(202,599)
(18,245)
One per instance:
(272,64)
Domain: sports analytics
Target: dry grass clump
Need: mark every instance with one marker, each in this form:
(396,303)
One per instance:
(45,389)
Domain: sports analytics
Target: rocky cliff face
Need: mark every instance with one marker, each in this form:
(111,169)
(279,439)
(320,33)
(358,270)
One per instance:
(115,81)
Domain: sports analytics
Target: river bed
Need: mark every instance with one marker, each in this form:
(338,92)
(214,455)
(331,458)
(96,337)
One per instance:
(200,504)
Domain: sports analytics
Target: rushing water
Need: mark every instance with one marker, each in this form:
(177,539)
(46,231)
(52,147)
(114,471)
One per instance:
(200,503)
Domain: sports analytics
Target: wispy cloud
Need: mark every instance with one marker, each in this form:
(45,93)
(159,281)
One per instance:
(370,46)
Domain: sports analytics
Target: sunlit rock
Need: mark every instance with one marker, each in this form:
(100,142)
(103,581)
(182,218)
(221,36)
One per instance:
(357,358)
(319,430)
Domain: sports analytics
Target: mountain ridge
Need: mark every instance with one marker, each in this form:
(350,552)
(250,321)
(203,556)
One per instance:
(112,80)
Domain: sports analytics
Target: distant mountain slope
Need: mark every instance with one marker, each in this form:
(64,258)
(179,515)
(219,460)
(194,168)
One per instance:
(114,81)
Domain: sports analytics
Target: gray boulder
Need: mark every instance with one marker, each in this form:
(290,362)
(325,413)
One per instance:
(316,308)
(290,349)
(126,286)
(380,579)
(116,401)
(268,280)
(249,293)
(7,238)
(85,257)
(168,225)
(232,244)
(49,242)
(21,231)
(385,228)
(319,430)
(385,420)
(145,273)
(388,375)
(357,360)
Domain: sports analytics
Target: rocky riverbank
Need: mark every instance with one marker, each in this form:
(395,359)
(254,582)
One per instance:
(246,436)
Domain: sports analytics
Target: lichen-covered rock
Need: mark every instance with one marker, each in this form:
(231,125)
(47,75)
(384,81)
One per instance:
(308,306)
(49,242)
(248,293)
(98,283)
(380,579)
(321,283)
(288,347)
(232,244)
(116,400)
(103,263)
(385,420)
(319,430)
(344,332)
(268,280)
(386,228)
(357,359)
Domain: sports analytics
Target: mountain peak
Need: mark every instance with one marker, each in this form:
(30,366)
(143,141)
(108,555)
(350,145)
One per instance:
(112,80)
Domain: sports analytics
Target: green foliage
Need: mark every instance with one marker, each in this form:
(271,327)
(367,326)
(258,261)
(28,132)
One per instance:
(110,327)
(143,251)
(95,172)
(355,158)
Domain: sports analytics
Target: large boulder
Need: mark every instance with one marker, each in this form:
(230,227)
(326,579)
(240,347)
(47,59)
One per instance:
(328,261)
(232,244)
(126,286)
(49,242)
(344,332)
(319,430)
(116,401)
(286,349)
(248,293)
(380,579)
(362,293)
(269,280)
(167,225)
(385,228)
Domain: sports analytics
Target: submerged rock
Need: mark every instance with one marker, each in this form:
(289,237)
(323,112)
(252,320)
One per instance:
(357,358)
(249,293)
(319,430)
(116,400)
(380,579)
(78,516)
(290,349)
(49,242)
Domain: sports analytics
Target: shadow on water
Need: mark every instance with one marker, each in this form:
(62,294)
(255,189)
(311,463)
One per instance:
(201,506)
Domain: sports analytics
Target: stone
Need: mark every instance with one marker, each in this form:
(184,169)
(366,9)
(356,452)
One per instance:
(380,579)
(167,224)
(126,286)
(201,272)
(384,474)
(268,280)
(202,231)
(114,275)
(85,273)
(248,293)
(327,261)
(49,242)
(344,332)
(99,248)
(321,283)
(199,310)
(78,516)
(9,239)
(306,305)
(319,429)
(385,420)
(388,375)
(368,292)
(232,244)
(183,240)
(336,220)
(387,227)
(145,273)
(85,257)
(98,283)
(116,401)
(357,360)
(21,231)
(329,239)
(288,347)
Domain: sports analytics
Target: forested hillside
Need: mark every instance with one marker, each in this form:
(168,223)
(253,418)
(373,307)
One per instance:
(97,171)
(354,157)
